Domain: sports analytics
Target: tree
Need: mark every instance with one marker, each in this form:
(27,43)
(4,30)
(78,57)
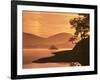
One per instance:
(81,25)
(72,39)
(53,47)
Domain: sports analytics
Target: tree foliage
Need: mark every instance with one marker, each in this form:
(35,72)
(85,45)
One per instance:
(81,25)
(53,47)
(72,39)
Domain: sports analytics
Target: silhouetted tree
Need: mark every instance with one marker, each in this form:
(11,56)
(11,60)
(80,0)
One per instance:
(53,47)
(72,39)
(81,25)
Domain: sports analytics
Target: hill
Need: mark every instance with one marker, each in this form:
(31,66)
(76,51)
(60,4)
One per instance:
(60,40)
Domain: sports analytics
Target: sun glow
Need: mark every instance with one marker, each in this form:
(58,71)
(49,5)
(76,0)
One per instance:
(46,24)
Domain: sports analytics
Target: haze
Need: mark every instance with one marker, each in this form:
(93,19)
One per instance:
(46,24)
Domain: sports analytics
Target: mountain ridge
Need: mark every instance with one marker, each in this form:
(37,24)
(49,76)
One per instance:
(60,40)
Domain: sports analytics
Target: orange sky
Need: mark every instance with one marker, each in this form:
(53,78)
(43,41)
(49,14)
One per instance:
(46,24)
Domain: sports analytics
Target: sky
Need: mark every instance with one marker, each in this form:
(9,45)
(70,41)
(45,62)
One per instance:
(46,24)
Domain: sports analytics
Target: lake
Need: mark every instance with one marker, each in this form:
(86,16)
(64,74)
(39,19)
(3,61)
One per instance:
(30,55)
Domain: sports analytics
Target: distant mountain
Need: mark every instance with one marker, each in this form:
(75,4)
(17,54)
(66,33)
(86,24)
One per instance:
(31,40)
(60,40)
(61,35)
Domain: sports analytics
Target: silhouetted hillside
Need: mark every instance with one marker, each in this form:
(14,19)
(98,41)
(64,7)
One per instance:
(82,50)
(80,53)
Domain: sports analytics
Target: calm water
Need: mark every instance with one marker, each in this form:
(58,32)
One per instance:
(30,55)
